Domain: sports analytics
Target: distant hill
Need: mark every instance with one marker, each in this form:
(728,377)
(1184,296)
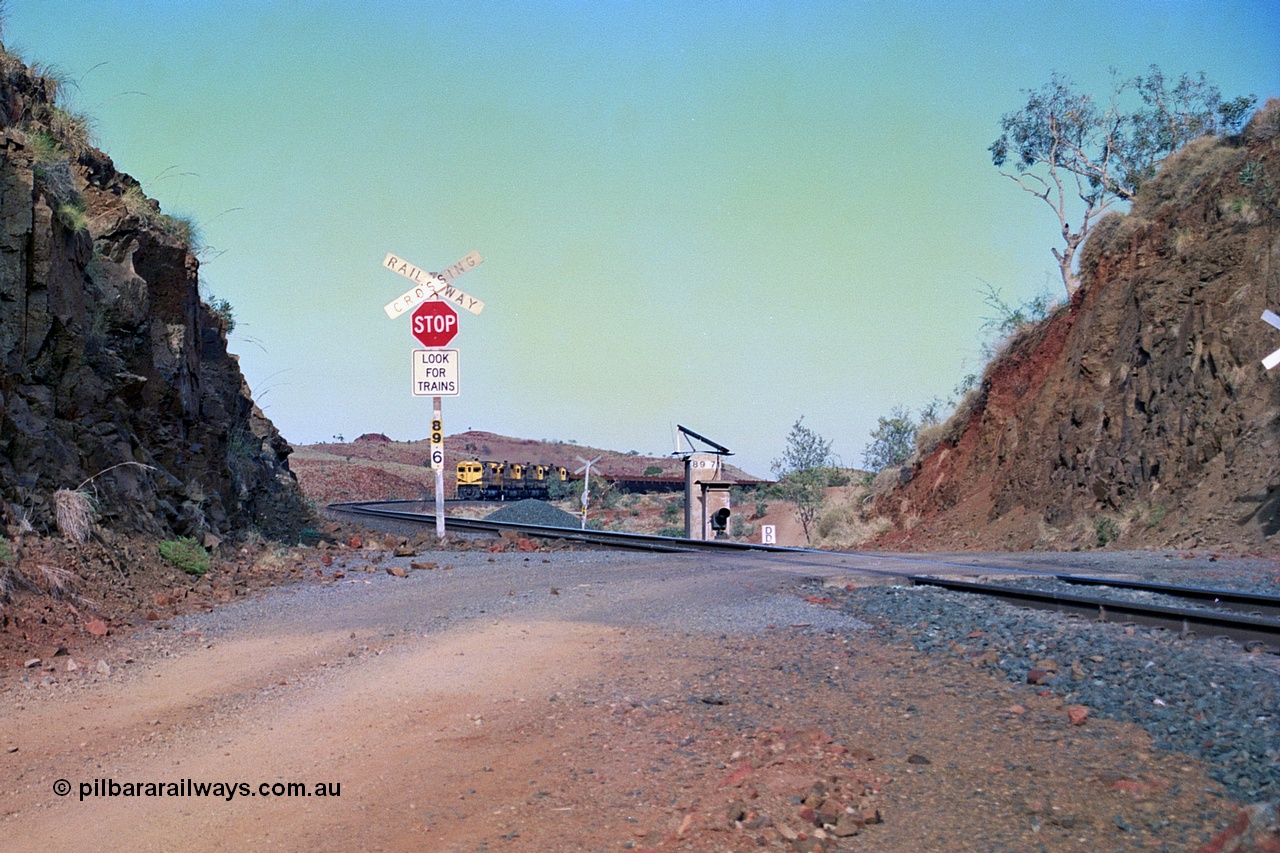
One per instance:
(375,468)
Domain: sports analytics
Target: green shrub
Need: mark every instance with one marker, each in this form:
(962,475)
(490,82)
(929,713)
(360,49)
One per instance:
(45,149)
(677,532)
(223,309)
(653,471)
(1106,530)
(72,215)
(185,554)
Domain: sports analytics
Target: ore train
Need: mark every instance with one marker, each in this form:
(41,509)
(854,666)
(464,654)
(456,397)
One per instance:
(506,481)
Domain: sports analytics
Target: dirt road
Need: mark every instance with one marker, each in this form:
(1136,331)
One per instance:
(565,701)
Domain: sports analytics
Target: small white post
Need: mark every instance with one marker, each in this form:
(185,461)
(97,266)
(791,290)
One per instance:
(586,484)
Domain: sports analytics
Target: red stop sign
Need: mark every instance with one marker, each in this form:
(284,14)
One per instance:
(434,323)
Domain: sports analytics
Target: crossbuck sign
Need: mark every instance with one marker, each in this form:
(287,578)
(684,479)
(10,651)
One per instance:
(429,284)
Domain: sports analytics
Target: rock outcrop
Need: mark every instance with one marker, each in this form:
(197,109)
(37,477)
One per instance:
(1141,411)
(113,368)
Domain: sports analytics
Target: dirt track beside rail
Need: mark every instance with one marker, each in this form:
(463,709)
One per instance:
(575,701)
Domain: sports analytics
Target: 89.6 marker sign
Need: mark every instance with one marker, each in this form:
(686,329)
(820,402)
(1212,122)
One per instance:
(437,444)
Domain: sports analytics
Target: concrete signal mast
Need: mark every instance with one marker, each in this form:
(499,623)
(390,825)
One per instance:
(706,491)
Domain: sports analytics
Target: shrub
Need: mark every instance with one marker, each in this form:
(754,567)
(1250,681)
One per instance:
(653,471)
(223,309)
(185,554)
(1106,530)
(45,149)
(73,130)
(71,214)
(183,228)
(892,441)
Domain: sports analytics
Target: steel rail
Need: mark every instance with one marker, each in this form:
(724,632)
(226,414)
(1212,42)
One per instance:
(652,542)
(1253,631)
(1249,629)
(613,539)
(1258,604)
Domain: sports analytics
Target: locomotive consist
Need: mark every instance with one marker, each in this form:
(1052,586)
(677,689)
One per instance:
(506,481)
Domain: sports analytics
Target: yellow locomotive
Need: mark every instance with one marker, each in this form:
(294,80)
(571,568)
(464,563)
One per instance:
(506,481)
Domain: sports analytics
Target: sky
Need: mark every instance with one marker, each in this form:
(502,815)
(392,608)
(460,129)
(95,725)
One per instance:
(726,215)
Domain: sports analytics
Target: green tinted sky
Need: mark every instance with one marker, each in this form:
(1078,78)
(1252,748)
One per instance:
(725,215)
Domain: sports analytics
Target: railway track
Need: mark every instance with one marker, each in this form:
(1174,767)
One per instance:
(1194,612)
(1251,619)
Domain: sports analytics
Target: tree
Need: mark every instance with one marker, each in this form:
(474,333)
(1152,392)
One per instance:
(804,471)
(892,441)
(1080,158)
(805,450)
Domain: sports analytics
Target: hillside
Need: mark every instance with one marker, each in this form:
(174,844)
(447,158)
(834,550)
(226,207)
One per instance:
(116,376)
(1139,415)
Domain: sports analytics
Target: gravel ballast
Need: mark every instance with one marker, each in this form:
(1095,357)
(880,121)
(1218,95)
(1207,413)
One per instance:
(1208,698)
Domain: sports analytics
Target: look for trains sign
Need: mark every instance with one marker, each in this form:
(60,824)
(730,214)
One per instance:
(434,323)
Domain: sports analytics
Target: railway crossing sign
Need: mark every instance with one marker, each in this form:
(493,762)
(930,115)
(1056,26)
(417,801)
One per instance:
(434,323)
(429,284)
(1274,320)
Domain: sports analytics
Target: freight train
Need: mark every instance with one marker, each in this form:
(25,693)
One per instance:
(506,481)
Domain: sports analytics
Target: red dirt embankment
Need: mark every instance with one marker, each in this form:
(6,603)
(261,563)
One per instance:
(1140,412)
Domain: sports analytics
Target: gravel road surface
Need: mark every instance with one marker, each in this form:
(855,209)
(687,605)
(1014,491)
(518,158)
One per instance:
(602,701)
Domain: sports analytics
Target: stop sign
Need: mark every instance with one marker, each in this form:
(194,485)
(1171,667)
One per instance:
(434,323)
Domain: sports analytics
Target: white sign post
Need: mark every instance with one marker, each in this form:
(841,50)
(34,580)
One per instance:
(435,371)
(768,534)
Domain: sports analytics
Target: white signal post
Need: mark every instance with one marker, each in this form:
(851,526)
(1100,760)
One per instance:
(586,484)
(435,371)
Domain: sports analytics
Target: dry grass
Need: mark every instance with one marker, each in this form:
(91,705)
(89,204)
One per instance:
(74,513)
(1265,124)
(887,480)
(843,523)
(1185,171)
(54,581)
